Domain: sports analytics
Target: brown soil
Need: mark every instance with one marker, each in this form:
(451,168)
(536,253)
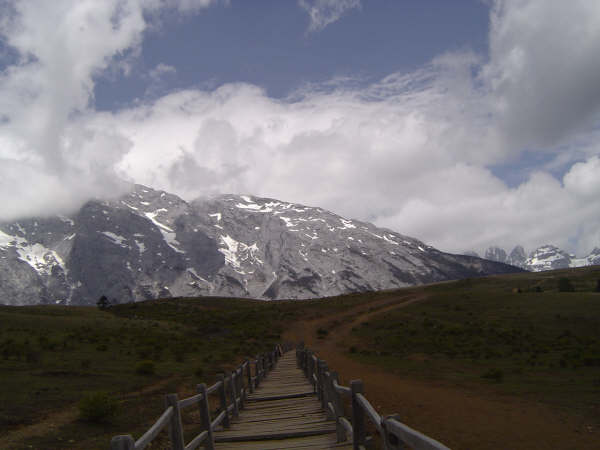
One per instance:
(461,418)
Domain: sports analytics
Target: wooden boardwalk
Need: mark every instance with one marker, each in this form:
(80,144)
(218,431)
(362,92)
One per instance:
(293,401)
(283,412)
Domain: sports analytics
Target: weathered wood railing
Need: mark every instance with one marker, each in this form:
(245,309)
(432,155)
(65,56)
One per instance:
(232,390)
(394,434)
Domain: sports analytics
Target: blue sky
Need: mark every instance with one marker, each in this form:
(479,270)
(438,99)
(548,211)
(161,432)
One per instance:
(266,43)
(463,123)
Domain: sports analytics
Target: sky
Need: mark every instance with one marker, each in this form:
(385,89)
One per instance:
(465,124)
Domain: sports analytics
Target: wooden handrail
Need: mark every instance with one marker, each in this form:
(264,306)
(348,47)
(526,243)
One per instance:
(197,441)
(184,403)
(232,391)
(394,434)
(218,420)
(158,426)
(213,388)
(397,433)
(342,389)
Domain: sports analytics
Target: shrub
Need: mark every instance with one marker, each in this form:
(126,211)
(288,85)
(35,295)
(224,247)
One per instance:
(199,372)
(495,375)
(179,354)
(321,332)
(33,356)
(145,367)
(564,285)
(98,407)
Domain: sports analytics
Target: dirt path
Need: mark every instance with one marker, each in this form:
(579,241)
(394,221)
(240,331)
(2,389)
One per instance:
(459,417)
(57,419)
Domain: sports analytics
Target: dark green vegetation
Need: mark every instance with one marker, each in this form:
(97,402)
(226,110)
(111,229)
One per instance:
(516,334)
(534,334)
(53,357)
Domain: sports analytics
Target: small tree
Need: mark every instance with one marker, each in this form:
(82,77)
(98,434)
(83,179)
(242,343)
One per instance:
(564,285)
(103,302)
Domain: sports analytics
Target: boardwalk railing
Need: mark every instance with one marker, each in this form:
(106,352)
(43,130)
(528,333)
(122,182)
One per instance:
(232,390)
(394,434)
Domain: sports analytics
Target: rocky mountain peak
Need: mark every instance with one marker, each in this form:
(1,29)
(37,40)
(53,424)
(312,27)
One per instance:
(151,243)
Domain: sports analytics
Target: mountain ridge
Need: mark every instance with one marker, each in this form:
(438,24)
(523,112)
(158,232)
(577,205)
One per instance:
(148,244)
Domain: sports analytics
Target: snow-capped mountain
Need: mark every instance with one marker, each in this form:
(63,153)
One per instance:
(150,244)
(547,257)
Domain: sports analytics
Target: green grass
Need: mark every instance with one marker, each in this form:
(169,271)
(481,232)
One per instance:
(51,356)
(503,332)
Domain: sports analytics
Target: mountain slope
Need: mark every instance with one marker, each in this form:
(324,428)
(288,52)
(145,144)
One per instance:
(151,244)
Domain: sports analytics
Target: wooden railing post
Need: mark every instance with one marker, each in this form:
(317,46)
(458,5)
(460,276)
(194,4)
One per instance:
(358,416)
(175,425)
(123,442)
(240,383)
(223,398)
(338,406)
(323,383)
(249,375)
(257,370)
(209,443)
(320,363)
(305,362)
(233,392)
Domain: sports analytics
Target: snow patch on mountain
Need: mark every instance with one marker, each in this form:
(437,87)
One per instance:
(168,234)
(115,238)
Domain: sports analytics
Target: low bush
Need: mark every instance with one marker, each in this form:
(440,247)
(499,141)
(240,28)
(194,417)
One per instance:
(564,285)
(98,407)
(145,367)
(495,375)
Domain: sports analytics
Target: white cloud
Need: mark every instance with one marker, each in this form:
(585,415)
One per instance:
(160,71)
(543,70)
(325,12)
(412,152)
(62,46)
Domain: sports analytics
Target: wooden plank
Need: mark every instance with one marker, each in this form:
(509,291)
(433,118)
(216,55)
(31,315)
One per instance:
(271,436)
(321,442)
(282,396)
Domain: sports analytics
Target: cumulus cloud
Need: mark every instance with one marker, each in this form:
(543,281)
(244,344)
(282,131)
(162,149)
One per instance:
(325,12)
(543,72)
(413,152)
(60,47)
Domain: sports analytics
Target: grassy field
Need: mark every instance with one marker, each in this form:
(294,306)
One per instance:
(515,335)
(53,356)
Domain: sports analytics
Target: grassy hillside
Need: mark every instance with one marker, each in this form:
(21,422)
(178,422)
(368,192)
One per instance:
(53,356)
(514,334)
(518,333)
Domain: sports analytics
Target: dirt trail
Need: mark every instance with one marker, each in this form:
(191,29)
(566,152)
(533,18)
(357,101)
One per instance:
(459,417)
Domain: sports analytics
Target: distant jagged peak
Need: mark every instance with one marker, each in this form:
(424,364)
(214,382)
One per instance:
(495,254)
